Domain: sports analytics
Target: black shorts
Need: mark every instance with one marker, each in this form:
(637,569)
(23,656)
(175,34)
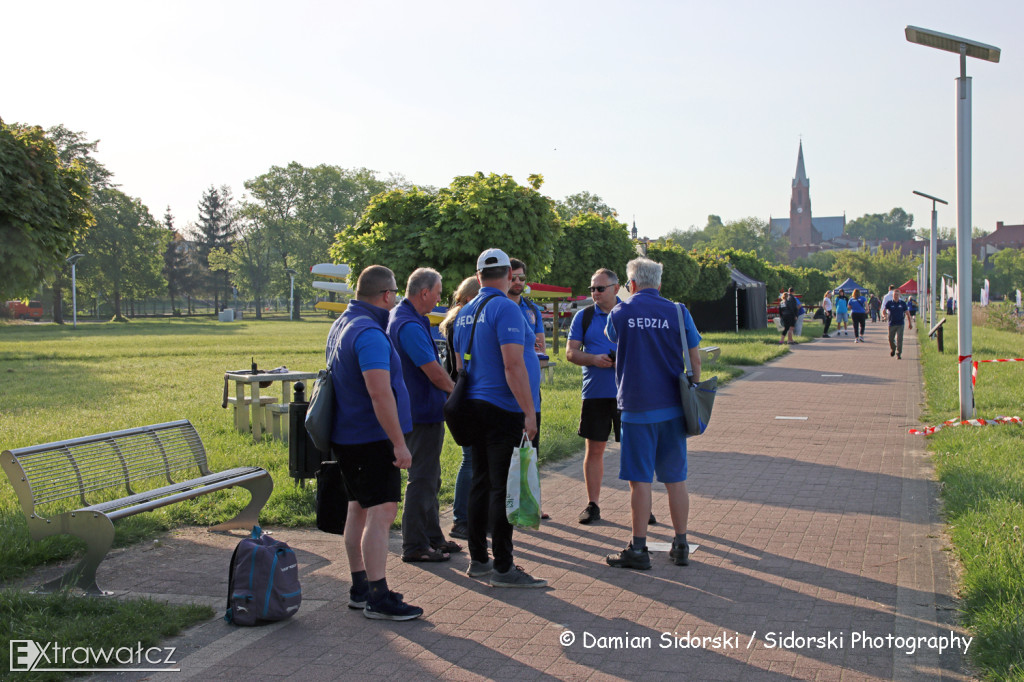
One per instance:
(598,418)
(369,471)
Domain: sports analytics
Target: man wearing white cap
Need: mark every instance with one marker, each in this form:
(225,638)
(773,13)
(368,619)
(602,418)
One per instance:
(504,376)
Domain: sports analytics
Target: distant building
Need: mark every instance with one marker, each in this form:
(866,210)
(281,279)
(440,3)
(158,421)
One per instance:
(1005,237)
(806,234)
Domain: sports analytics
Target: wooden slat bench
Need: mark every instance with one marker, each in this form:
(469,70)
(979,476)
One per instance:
(80,470)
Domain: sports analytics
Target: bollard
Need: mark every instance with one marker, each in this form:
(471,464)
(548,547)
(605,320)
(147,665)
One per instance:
(303,457)
(938,337)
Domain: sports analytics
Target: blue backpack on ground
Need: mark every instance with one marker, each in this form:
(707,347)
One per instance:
(263,581)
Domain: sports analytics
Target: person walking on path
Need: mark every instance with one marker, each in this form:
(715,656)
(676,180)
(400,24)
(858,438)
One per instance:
(896,313)
(371,415)
(788,310)
(842,305)
(465,293)
(859,313)
(648,362)
(428,385)
(590,348)
(875,306)
(826,309)
(504,386)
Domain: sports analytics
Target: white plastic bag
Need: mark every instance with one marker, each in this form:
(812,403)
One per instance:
(522,492)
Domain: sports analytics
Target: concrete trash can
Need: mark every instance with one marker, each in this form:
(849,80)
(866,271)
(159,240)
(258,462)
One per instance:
(226,315)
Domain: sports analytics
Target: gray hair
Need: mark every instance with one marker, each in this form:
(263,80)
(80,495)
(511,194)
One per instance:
(612,277)
(420,279)
(644,272)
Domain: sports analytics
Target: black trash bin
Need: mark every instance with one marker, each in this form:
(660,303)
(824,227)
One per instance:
(303,457)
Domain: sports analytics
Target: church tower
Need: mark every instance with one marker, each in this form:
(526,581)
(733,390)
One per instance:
(800,229)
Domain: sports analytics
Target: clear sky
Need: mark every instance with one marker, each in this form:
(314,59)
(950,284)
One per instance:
(669,111)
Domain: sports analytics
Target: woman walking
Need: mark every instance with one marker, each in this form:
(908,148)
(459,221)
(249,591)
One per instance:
(788,310)
(859,313)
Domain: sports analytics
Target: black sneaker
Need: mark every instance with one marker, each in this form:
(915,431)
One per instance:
(651,521)
(478,569)
(459,531)
(892,353)
(630,558)
(590,514)
(391,608)
(899,356)
(357,600)
(680,554)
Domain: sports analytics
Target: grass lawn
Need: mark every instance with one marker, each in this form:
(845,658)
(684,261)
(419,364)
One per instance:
(981,471)
(62,383)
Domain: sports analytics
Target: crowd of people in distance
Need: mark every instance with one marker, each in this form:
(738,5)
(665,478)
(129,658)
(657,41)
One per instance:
(891,309)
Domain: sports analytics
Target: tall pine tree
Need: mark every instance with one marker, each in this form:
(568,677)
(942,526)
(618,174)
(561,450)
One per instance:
(216,228)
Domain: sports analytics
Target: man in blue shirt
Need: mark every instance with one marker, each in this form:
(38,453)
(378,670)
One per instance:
(895,311)
(531,311)
(429,385)
(648,362)
(503,388)
(371,415)
(591,348)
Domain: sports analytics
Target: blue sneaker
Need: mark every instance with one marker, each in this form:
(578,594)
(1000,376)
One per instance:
(391,608)
(357,600)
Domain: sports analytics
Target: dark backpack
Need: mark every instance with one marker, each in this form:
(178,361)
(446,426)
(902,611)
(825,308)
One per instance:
(263,581)
(588,317)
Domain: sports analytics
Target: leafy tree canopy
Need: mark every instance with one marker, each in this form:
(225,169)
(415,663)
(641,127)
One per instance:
(447,230)
(1007,271)
(44,208)
(590,242)
(875,271)
(746,234)
(581,203)
(892,226)
(681,270)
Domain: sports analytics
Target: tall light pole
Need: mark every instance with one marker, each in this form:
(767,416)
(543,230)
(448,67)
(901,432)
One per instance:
(72,260)
(291,295)
(965,48)
(932,252)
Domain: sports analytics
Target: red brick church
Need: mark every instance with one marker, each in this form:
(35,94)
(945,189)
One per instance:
(806,233)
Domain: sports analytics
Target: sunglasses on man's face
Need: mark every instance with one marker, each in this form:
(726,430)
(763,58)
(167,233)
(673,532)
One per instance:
(600,289)
(518,278)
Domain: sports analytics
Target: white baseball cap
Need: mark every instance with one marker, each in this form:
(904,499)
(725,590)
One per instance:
(493,258)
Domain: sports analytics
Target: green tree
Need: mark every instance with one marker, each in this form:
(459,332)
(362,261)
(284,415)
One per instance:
(176,260)
(44,208)
(680,272)
(589,243)
(714,277)
(892,226)
(248,263)
(946,265)
(821,260)
(124,250)
(582,203)
(216,231)
(875,271)
(447,230)
(1007,271)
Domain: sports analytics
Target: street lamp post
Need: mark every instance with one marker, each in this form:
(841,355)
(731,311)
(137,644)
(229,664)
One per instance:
(72,260)
(291,294)
(932,252)
(965,48)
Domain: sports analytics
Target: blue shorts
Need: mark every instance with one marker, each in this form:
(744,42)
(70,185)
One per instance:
(842,317)
(653,448)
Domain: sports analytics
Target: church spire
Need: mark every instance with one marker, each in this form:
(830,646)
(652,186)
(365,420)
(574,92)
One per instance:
(801,175)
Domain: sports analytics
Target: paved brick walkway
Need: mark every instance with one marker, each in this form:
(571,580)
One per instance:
(817,527)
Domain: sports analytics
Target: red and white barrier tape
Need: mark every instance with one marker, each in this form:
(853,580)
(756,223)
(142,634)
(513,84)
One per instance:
(974,367)
(929,430)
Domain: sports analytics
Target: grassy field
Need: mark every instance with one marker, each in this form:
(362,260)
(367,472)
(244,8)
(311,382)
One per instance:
(61,383)
(981,471)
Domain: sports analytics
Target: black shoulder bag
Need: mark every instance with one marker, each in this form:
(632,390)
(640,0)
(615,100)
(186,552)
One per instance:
(458,413)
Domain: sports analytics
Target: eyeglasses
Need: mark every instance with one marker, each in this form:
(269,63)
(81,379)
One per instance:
(384,291)
(601,289)
(518,278)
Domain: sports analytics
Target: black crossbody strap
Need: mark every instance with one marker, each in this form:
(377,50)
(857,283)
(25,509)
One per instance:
(472,332)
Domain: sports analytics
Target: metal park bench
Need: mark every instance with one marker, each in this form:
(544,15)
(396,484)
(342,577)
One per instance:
(74,479)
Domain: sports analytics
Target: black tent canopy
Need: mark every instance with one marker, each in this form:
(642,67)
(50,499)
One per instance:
(743,306)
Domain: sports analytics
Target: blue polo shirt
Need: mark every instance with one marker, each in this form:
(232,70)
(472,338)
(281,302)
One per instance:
(598,382)
(649,358)
(500,323)
(531,313)
(355,344)
(896,309)
(410,332)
